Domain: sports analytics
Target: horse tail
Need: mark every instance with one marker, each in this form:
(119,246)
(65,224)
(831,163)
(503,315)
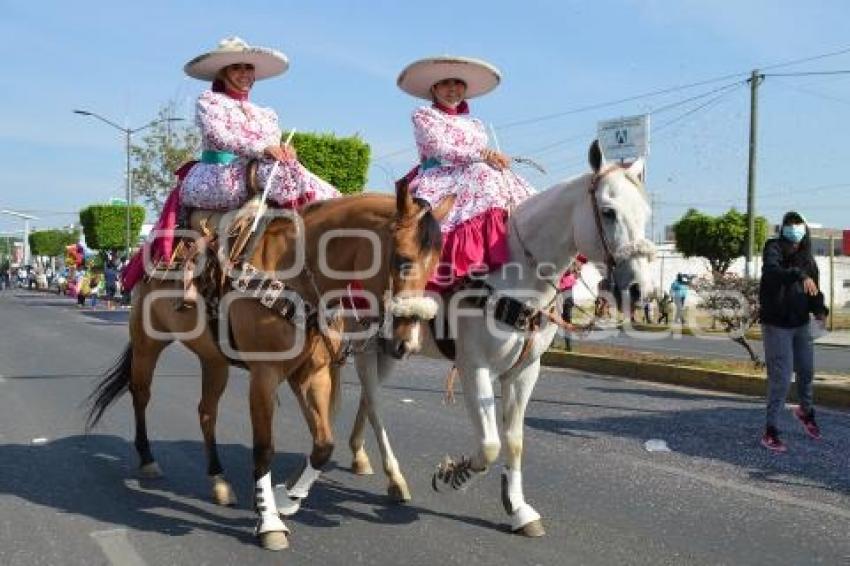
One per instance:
(115,383)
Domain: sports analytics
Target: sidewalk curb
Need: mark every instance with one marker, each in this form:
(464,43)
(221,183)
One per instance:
(827,394)
(685,331)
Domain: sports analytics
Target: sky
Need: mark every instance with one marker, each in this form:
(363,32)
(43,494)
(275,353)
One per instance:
(563,62)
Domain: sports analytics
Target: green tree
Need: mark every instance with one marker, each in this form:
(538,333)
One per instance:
(165,147)
(719,239)
(51,243)
(342,162)
(105,225)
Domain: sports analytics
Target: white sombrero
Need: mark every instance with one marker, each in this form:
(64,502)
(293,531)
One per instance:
(231,50)
(418,77)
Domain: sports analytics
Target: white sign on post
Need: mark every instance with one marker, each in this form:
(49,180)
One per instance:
(624,139)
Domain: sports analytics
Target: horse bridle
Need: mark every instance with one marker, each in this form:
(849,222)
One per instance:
(610,258)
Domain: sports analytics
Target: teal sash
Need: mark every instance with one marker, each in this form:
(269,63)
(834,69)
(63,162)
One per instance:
(430,163)
(217,157)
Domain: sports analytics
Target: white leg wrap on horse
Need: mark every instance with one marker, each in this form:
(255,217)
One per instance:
(266,508)
(523,516)
(514,489)
(521,512)
(305,481)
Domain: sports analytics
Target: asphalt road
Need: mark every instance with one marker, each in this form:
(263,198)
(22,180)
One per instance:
(828,359)
(717,498)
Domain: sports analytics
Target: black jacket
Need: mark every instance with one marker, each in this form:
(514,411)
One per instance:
(783,301)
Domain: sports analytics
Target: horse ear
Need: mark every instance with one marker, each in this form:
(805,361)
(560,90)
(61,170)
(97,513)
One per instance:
(404,204)
(443,208)
(594,156)
(636,168)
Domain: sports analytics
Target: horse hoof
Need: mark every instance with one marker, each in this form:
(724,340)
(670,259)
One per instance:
(274,540)
(222,493)
(534,529)
(361,468)
(399,493)
(150,471)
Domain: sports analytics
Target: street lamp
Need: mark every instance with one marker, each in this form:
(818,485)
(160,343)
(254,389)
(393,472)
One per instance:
(26,218)
(128,133)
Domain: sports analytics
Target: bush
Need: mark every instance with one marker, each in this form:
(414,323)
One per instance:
(105,225)
(342,162)
(51,243)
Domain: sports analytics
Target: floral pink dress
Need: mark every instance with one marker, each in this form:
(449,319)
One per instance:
(475,231)
(244,129)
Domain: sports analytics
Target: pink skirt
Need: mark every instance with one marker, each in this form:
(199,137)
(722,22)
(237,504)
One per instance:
(478,245)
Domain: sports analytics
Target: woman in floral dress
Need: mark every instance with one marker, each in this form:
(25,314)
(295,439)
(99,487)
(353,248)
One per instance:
(235,131)
(456,162)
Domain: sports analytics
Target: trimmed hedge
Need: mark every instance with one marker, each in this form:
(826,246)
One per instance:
(105,225)
(342,162)
(52,243)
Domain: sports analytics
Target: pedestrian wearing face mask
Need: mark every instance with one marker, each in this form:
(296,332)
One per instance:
(788,295)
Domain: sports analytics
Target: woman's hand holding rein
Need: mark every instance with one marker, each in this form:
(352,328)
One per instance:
(281,152)
(495,159)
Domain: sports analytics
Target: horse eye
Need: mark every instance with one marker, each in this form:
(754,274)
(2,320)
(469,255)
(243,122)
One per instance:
(609,214)
(401,262)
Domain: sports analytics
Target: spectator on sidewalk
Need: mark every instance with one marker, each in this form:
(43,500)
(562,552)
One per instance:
(110,287)
(664,308)
(679,292)
(788,295)
(83,289)
(95,283)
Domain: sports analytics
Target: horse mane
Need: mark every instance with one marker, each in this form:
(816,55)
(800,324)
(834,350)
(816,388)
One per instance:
(377,210)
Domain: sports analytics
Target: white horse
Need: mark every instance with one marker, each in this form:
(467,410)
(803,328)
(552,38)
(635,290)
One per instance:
(603,214)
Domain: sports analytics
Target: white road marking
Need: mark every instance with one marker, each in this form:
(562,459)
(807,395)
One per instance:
(39,440)
(407,400)
(117,547)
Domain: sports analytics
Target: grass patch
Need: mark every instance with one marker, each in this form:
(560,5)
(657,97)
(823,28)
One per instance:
(724,365)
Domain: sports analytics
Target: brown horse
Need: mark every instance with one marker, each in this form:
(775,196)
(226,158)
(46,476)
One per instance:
(388,245)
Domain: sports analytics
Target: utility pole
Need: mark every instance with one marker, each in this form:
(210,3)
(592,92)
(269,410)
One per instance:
(831,283)
(754,81)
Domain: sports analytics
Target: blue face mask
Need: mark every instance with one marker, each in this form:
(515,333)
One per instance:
(794,232)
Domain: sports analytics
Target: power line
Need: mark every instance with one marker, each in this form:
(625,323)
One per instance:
(806,59)
(599,105)
(814,93)
(666,108)
(696,109)
(808,73)
(667,90)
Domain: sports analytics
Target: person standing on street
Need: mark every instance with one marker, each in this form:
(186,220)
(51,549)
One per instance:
(789,294)
(565,287)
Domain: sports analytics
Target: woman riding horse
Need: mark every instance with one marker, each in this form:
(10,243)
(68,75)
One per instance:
(456,162)
(234,131)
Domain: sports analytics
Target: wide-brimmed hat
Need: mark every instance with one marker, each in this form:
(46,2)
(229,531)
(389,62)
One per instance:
(231,50)
(418,77)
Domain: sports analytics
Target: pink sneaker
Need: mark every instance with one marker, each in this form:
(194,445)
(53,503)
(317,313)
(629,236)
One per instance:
(808,422)
(771,441)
